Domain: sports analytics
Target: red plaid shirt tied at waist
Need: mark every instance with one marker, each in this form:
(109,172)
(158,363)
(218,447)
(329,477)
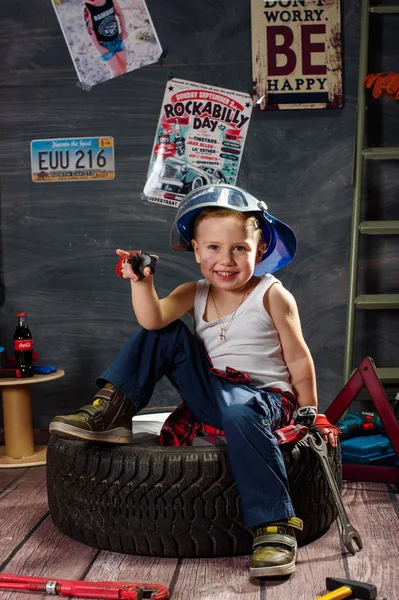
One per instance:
(181,427)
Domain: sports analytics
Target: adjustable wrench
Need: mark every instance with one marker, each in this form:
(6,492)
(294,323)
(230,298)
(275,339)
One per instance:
(348,532)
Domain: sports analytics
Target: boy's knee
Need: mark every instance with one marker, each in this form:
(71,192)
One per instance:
(176,328)
(172,333)
(177,325)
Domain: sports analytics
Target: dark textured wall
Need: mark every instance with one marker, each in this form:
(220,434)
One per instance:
(58,240)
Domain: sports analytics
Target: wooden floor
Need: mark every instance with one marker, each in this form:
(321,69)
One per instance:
(31,545)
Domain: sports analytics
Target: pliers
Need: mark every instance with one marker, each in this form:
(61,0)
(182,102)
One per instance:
(107,590)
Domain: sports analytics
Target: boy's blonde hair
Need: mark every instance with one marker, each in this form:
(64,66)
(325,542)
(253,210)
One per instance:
(251,220)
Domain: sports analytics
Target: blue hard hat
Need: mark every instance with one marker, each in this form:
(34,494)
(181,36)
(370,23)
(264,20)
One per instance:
(279,237)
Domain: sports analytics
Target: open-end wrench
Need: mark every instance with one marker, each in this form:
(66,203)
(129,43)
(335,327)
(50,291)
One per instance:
(348,533)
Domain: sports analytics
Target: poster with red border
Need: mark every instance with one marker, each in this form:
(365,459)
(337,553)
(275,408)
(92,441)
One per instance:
(199,140)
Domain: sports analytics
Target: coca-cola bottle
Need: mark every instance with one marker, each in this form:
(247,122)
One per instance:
(23,346)
(180,143)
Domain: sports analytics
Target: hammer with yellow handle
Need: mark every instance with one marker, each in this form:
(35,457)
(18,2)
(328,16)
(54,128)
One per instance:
(346,588)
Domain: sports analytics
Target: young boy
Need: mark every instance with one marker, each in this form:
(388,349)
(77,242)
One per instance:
(247,324)
(101,22)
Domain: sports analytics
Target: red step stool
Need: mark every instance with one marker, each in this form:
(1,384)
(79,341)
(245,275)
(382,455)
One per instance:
(366,376)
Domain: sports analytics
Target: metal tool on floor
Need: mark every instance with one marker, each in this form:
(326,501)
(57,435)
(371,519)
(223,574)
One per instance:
(107,590)
(347,588)
(348,533)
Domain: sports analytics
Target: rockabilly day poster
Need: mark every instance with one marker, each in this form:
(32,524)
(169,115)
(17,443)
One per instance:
(199,140)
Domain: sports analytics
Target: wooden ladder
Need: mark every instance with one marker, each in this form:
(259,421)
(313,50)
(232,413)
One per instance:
(366,301)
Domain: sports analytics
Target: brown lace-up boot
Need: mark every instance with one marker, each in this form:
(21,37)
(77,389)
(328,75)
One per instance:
(108,419)
(275,548)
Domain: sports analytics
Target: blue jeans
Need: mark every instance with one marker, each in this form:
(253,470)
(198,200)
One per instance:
(113,47)
(248,416)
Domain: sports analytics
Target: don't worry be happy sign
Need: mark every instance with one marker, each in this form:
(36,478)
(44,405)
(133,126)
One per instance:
(296,53)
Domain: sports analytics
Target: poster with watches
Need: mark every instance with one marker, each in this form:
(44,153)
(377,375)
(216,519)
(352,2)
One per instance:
(199,140)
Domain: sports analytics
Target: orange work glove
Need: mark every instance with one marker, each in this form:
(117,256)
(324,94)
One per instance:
(383,83)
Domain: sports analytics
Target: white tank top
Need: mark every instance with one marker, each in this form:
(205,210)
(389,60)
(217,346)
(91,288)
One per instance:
(252,343)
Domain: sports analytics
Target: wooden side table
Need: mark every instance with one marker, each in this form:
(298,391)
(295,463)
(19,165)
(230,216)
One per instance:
(19,449)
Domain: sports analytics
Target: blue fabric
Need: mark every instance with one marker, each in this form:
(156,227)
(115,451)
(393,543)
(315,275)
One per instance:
(113,47)
(247,415)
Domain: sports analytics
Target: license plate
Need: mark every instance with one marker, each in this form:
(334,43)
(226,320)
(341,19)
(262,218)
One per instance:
(72,159)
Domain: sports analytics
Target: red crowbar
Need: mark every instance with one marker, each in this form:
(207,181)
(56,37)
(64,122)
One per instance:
(108,590)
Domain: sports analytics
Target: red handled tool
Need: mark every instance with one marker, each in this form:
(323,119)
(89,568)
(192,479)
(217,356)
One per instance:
(108,590)
(6,373)
(139,261)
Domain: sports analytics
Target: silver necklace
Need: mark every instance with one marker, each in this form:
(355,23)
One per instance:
(225,326)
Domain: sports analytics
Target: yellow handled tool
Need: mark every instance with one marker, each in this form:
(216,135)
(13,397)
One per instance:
(347,588)
(342,592)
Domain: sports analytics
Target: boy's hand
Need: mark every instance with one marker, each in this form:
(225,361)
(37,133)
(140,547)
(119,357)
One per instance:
(327,430)
(135,265)
(124,34)
(308,416)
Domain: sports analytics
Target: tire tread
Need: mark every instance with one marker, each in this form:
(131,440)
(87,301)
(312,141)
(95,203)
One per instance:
(170,502)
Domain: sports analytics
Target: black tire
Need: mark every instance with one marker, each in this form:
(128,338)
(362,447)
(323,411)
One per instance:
(171,502)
